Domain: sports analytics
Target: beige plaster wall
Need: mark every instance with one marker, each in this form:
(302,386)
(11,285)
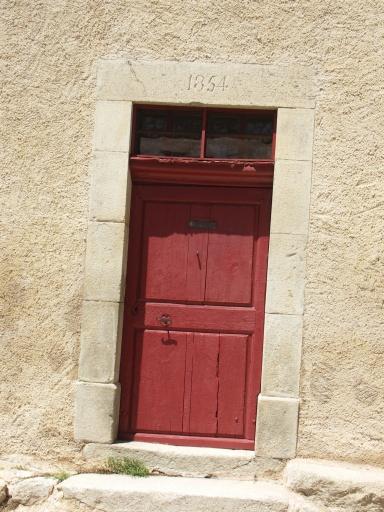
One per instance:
(49,51)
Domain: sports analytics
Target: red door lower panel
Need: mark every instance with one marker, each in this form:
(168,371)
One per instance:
(159,365)
(192,341)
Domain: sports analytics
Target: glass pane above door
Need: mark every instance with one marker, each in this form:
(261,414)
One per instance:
(238,136)
(169,133)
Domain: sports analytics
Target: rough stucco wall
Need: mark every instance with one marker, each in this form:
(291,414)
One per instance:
(48,54)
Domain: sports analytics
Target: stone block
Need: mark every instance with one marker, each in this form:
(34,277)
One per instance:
(337,485)
(110,187)
(96,412)
(286,272)
(112,126)
(11,475)
(101,329)
(105,261)
(3,491)
(291,197)
(31,490)
(294,134)
(282,355)
(276,428)
(229,84)
(300,504)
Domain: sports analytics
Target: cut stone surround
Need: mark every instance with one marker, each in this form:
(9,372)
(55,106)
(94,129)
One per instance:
(97,410)
(120,83)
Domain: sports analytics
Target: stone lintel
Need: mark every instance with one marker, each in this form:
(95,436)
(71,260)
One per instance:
(203,83)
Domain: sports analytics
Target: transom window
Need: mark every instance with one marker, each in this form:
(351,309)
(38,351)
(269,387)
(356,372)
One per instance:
(204,133)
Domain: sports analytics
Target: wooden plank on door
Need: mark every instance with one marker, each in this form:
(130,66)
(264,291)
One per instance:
(197,254)
(159,381)
(232,384)
(204,387)
(230,255)
(165,251)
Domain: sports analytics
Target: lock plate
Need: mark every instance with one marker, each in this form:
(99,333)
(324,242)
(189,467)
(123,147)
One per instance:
(165,320)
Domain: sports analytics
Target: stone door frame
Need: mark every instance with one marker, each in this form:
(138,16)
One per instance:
(120,83)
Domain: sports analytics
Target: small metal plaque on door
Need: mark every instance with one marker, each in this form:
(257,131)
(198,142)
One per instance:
(202,224)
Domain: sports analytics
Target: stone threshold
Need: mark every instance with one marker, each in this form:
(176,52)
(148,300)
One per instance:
(190,461)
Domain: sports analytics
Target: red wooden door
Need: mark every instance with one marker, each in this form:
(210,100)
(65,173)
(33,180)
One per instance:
(192,342)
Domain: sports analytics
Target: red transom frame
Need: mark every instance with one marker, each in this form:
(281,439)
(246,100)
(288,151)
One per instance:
(202,169)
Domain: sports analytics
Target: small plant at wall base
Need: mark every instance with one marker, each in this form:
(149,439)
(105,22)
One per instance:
(127,466)
(61,475)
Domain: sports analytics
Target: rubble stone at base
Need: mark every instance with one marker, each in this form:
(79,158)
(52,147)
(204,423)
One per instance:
(3,491)
(306,486)
(55,503)
(31,490)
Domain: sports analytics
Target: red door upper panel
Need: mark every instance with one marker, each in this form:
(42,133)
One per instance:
(182,263)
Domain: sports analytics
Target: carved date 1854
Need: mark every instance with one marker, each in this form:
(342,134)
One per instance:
(209,83)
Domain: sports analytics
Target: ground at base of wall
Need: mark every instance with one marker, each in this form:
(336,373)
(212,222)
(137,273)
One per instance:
(305,486)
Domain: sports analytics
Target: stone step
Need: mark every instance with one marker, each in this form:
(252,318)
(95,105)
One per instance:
(119,493)
(189,461)
(338,486)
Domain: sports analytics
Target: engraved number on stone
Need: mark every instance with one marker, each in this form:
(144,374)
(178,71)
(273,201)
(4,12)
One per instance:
(209,83)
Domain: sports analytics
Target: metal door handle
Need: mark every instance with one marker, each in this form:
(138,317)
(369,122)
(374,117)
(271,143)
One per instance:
(165,320)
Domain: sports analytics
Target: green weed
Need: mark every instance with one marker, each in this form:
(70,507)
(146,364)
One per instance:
(127,466)
(61,475)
